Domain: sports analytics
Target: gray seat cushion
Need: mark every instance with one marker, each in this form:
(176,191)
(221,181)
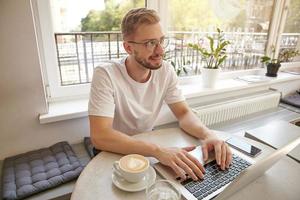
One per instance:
(293,99)
(36,171)
(92,151)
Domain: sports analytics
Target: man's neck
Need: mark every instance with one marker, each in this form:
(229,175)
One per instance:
(136,71)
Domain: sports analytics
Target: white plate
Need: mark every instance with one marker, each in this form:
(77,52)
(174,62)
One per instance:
(134,187)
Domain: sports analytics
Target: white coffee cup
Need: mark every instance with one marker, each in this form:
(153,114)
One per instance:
(132,167)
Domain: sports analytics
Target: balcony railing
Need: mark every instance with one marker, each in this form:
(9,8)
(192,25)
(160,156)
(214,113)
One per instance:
(78,53)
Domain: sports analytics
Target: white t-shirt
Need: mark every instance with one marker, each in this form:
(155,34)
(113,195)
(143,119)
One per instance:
(133,106)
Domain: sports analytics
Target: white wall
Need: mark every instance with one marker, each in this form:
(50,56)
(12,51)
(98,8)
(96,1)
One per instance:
(21,91)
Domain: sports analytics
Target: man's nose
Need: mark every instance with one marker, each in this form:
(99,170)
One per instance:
(159,49)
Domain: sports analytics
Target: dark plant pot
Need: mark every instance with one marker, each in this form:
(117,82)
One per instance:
(272,69)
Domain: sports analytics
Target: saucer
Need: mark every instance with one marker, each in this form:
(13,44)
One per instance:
(134,187)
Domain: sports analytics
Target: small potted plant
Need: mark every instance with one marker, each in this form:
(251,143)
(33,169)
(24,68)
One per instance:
(274,64)
(181,66)
(214,56)
(287,55)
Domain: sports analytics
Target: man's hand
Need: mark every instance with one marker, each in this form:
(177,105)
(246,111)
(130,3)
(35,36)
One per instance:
(191,124)
(181,162)
(222,151)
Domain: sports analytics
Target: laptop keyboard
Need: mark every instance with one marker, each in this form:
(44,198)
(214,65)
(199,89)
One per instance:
(215,178)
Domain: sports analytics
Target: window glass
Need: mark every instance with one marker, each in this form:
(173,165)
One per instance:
(245,24)
(86,33)
(290,38)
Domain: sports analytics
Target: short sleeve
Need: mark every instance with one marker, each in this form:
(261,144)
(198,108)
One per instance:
(101,102)
(173,93)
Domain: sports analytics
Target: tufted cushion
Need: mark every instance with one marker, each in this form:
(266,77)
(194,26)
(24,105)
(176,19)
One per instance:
(35,171)
(293,99)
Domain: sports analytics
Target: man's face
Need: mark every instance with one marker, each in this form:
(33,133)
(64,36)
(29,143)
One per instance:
(143,47)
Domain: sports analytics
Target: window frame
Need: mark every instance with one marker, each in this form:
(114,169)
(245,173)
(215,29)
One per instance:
(278,20)
(48,55)
(46,40)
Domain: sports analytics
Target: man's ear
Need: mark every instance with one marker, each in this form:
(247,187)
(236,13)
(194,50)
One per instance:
(127,47)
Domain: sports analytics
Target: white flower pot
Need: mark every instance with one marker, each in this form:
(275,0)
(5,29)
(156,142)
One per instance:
(209,77)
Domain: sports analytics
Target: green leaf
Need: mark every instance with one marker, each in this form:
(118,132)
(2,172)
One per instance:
(184,69)
(211,43)
(173,64)
(191,45)
(221,60)
(265,59)
(215,54)
(206,54)
(178,71)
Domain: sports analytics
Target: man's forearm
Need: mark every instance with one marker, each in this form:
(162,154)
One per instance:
(193,126)
(118,142)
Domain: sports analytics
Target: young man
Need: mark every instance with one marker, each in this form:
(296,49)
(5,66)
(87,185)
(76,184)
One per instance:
(127,95)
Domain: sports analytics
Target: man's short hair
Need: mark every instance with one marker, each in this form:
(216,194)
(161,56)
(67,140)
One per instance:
(135,18)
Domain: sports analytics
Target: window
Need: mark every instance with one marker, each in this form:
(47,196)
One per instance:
(244,22)
(76,36)
(83,33)
(87,33)
(290,38)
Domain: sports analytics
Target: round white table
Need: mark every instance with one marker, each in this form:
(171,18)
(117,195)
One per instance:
(282,181)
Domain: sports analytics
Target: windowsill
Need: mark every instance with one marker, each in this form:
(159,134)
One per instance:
(232,84)
(64,110)
(191,88)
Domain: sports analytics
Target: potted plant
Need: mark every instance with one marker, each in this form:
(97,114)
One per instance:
(182,66)
(214,56)
(274,64)
(287,55)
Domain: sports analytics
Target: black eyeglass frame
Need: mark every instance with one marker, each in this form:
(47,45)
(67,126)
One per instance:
(163,42)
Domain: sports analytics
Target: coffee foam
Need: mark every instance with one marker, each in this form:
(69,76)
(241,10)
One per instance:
(133,163)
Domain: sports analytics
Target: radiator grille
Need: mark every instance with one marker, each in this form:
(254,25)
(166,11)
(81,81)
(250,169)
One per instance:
(239,107)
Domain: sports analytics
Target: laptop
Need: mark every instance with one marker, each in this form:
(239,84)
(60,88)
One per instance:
(218,184)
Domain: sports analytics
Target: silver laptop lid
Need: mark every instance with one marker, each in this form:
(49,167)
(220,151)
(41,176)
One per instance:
(256,170)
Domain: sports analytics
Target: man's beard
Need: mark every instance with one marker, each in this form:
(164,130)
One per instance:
(146,64)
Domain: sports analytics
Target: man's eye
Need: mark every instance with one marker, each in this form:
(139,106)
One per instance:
(151,43)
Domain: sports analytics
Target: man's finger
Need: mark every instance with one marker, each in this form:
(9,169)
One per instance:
(190,148)
(197,163)
(186,168)
(205,152)
(178,171)
(228,156)
(218,152)
(190,161)
(223,155)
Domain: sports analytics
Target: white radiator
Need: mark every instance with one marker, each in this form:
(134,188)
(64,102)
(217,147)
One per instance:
(237,107)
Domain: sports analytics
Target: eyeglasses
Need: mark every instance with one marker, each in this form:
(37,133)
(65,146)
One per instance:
(152,44)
